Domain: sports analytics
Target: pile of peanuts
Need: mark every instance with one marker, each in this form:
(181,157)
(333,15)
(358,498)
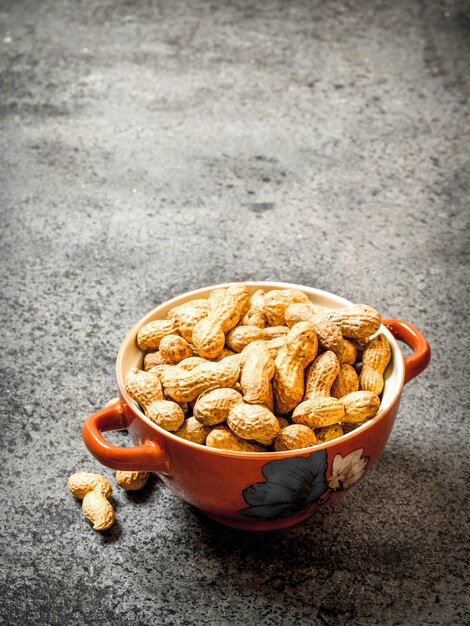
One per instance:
(258,373)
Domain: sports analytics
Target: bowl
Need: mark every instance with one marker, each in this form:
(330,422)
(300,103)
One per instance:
(253,491)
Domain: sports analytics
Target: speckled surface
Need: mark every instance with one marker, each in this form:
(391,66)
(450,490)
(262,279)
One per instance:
(148,148)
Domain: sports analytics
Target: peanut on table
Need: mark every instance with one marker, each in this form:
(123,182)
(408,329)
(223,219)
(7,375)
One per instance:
(269,371)
(94,491)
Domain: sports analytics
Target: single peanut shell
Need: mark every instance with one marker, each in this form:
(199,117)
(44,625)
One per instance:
(359,344)
(144,387)
(328,433)
(191,362)
(319,412)
(294,437)
(224,308)
(321,374)
(150,335)
(201,304)
(153,359)
(346,382)
(375,358)
(255,379)
(82,483)
(193,430)
(254,422)
(223,438)
(288,381)
(273,346)
(208,338)
(131,481)
(241,336)
(349,353)
(167,414)
(212,407)
(98,510)
(184,386)
(360,406)
(255,315)
(174,349)
(242,296)
(159,369)
(356,321)
(371,380)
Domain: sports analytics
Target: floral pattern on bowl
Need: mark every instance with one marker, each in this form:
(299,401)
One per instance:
(347,470)
(295,484)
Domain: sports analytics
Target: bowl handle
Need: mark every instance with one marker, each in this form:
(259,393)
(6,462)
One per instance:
(148,456)
(418,361)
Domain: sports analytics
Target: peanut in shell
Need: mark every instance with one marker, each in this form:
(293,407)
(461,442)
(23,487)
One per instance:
(345,382)
(165,413)
(184,386)
(318,412)
(328,433)
(223,438)
(98,510)
(253,422)
(193,430)
(238,338)
(360,406)
(153,359)
(242,296)
(321,374)
(197,303)
(357,321)
(174,349)
(256,374)
(81,483)
(150,335)
(375,358)
(225,352)
(349,353)
(294,437)
(131,481)
(255,315)
(191,362)
(144,387)
(213,407)
(288,381)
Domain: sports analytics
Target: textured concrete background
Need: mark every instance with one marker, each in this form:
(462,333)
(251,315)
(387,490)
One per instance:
(149,148)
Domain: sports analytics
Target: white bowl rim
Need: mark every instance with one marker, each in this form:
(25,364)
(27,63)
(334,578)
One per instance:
(397,363)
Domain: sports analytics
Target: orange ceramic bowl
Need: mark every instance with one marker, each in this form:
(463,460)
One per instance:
(253,491)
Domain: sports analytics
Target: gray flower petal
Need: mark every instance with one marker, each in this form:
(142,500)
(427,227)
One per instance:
(291,486)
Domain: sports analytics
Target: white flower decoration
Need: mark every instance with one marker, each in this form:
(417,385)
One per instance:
(347,470)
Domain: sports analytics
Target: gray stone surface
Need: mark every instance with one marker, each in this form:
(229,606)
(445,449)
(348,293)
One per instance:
(148,148)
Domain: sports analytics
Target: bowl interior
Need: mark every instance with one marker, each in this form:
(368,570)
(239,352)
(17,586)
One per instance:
(130,356)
